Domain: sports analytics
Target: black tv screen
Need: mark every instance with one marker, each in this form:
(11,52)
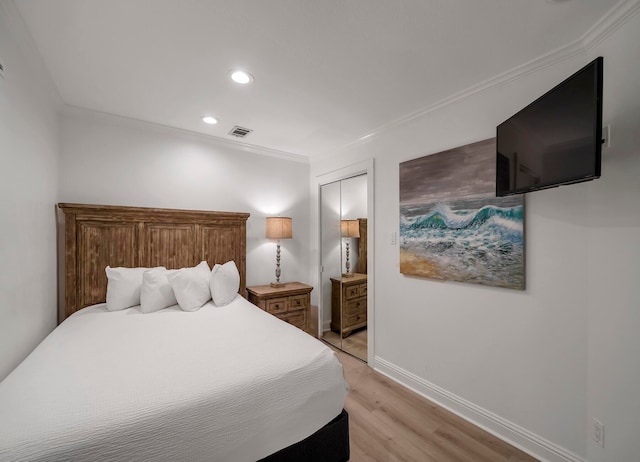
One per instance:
(555,140)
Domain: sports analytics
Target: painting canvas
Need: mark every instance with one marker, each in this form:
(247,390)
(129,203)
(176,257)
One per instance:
(452,225)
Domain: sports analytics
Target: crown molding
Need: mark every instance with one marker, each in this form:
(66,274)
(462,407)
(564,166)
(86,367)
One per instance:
(84,113)
(610,22)
(602,29)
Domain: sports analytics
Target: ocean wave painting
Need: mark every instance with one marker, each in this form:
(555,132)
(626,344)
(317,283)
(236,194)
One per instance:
(475,243)
(476,237)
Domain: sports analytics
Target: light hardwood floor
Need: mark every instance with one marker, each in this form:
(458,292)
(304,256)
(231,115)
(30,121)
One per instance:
(355,344)
(389,423)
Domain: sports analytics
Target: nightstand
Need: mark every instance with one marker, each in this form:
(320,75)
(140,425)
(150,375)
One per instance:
(348,303)
(290,303)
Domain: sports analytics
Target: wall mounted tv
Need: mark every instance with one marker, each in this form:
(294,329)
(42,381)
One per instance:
(555,140)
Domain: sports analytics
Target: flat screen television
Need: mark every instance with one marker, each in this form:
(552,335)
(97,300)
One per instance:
(555,140)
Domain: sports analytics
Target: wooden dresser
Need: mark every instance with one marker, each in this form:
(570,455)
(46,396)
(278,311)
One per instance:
(349,303)
(290,303)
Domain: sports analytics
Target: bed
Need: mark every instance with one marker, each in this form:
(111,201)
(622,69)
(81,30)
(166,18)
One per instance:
(223,383)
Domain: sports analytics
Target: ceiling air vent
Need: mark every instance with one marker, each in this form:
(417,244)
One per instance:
(240,132)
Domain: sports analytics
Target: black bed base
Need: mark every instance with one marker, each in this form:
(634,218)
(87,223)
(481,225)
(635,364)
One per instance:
(329,444)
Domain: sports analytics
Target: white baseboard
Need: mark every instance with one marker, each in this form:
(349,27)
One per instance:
(513,434)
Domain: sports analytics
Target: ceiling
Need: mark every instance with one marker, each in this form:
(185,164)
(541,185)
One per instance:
(327,72)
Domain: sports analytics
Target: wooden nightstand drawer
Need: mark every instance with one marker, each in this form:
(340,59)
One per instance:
(358,306)
(352,292)
(362,289)
(297,302)
(277,305)
(354,321)
(296,318)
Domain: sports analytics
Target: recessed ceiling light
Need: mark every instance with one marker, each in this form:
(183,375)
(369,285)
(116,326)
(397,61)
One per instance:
(210,120)
(241,77)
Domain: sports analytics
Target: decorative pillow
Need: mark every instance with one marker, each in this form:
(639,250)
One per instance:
(123,287)
(225,283)
(156,293)
(191,286)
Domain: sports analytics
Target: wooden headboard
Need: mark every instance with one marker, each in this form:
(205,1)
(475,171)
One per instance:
(101,235)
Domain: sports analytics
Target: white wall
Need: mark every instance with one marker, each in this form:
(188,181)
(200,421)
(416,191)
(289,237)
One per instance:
(533,366)
(613,233)
(111,160)
(29,149)
(353,197)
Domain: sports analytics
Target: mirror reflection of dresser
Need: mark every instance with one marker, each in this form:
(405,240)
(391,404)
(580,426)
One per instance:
(344,204)
(348,303)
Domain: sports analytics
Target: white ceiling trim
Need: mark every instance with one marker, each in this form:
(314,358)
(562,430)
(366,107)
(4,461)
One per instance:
(80,112)
(608,24)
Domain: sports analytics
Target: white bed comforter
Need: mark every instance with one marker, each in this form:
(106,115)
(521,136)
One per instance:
(220,384)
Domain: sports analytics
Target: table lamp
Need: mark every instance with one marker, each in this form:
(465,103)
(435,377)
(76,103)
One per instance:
(349,229)
(278,228)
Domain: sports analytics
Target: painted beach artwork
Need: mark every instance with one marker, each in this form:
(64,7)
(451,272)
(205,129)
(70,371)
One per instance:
(453,227)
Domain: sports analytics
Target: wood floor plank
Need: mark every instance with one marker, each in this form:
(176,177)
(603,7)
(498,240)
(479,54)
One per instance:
(486,438)
(481,452)
(428,441)
(520,456)
(388,423)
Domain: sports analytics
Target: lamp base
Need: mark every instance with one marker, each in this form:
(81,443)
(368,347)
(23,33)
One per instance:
(278,284)
(347,275)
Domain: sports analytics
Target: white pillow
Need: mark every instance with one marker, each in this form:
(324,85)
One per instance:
(191,286)
(123,287)
(225,283)
(156,293)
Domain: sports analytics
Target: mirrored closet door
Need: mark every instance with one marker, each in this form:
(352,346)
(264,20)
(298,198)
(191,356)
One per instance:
(343,226)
